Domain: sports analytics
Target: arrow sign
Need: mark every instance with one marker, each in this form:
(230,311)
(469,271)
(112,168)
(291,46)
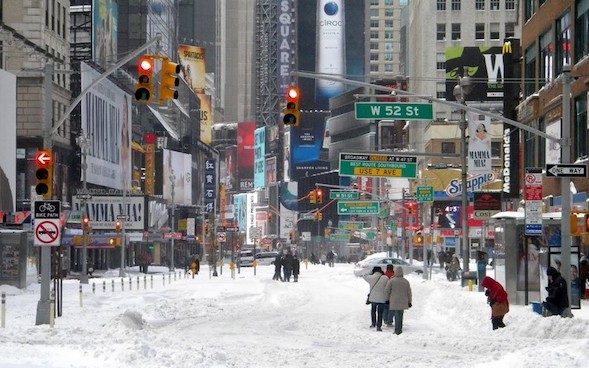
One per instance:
(43,158)
(567,171)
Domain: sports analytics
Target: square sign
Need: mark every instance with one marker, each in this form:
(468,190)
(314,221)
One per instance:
(425,194)
(47,230)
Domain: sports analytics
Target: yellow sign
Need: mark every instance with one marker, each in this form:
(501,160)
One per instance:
(507,49)
(372,171)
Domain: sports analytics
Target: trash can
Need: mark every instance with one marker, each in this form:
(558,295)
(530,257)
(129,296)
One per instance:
(537,307)
(470,275)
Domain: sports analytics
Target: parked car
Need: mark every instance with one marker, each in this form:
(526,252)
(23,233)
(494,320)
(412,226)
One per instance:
(266,258)
(246,258)
(365,267)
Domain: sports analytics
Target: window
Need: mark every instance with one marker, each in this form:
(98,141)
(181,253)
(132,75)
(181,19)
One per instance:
(455,4)
(388,57)
(530,71)
(496,148)
(388,2)
(509,30)
(494,4)
(388,12)
(509,4)
(546,63)
(440,32)
(374,24)
(388,46)
(563,42)
(448,147)
(374,2)
(388,35)
(582,30)
(373,45)
(374,67)
(441,5)
(479,31)
(580,131)
(374,13)
(455,31)
(373,34)
(441,90)
(441,61)
(479,4)
(494,31)
(529,8)
(388,67)
(388,23)
(373,56)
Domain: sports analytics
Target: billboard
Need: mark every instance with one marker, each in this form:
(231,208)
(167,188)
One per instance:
(284,50)
(106,121)
(479,144)
(206,118)
(8,142)
(288,208)
(330,33)
(484,65)
(245,155)
(228,168)
(260,158)
(192,63)
(177,171)
(105,16)
(104,210)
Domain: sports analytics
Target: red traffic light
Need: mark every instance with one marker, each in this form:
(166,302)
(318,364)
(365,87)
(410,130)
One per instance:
(293,93)
(146,64)
(43,158)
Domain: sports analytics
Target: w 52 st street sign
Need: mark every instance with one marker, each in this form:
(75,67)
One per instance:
(394,110)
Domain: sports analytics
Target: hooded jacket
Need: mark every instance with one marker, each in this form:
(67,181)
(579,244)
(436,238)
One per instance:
(398,291)
(377,282)
(557,289)
(496,291)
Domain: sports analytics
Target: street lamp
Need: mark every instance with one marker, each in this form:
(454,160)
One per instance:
(461,90)
(173,183)
(84,142)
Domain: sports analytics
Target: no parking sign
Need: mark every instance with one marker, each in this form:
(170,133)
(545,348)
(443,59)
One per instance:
(47,230)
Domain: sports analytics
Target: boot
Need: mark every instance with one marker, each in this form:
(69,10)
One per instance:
(500,323)
(495,323)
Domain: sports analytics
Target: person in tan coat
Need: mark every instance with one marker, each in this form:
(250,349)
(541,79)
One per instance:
(398,293)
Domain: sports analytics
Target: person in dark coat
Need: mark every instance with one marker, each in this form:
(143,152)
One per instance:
(277,268)
(497,299)
(557,302)
(296,267)
(287,266)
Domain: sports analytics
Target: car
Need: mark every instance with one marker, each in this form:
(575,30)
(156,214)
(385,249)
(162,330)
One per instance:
(266,258)
(246,258)
(365,266)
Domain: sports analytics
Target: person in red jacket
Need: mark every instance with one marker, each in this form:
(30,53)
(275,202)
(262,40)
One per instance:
(497,299)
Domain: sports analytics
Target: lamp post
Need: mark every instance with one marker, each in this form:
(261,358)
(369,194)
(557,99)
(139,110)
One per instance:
(463,88)
(84,142)
(173,183)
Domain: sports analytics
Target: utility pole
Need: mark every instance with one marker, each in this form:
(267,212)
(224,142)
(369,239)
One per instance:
(173,183)
(84,142)
(565,182)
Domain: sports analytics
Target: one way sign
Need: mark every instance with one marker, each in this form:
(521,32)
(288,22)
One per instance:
(567,171)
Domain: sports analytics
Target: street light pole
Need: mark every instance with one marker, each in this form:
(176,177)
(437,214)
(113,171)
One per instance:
(84,142)
(463,88)
(173,182)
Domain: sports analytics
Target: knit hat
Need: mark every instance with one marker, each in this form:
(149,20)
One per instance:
(376,269)
(551,271)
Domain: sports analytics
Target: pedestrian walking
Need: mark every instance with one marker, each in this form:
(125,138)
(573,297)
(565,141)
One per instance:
(497,299)
(398,292)
(376,296)
(296,267)
(277,268)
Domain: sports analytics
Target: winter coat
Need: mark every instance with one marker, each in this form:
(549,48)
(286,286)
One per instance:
(377,282)
(584,270)
(277,264)
(557,289)
(296,266)
(497,297)
(389,273)
(287,261)
(398,291)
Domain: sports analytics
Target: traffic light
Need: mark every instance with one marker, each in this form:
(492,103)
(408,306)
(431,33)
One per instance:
(318,216)
(118,226)
(169,80)
(574,224)
(144,89)
(319,195)
(411,208)
(114,241)
(86,223)
(44,174)
(291,111)
(269,216)
(312,196)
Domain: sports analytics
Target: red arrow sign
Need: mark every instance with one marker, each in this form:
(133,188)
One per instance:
(43,158)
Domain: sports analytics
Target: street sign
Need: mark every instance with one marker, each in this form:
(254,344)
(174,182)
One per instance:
(358,208)
(425,194)
(566,170)
(85,196)
(339,237)
(350,225)
(123,217)
(394,110)
(377,165)
(343,195)
(221,236)
(47,231)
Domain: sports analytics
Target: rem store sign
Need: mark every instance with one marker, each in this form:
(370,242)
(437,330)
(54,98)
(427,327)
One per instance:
(103,211)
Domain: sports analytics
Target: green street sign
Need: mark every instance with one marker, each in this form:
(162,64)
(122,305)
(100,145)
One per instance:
(339,237)
(394,110)
(350,225)
(425,194)
(377,165)
(343,195)
(358,208)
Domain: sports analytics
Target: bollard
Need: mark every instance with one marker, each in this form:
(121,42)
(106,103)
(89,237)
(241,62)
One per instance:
(104,286)
(52,308)
(169,278)
(3,311)
(122,284)
(151,278)
(93,288)
(113,285)
(470,283)
(137,282)
(130,284)
(81,300)
(174,275)
(164,279)
(144,282)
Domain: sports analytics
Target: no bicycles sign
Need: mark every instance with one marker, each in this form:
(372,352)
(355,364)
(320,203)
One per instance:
(47,226)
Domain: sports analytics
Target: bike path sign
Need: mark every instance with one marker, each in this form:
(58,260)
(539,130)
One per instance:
(46,216)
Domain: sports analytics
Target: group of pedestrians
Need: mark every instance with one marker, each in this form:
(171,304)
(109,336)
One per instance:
(389,297)
(289,264)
